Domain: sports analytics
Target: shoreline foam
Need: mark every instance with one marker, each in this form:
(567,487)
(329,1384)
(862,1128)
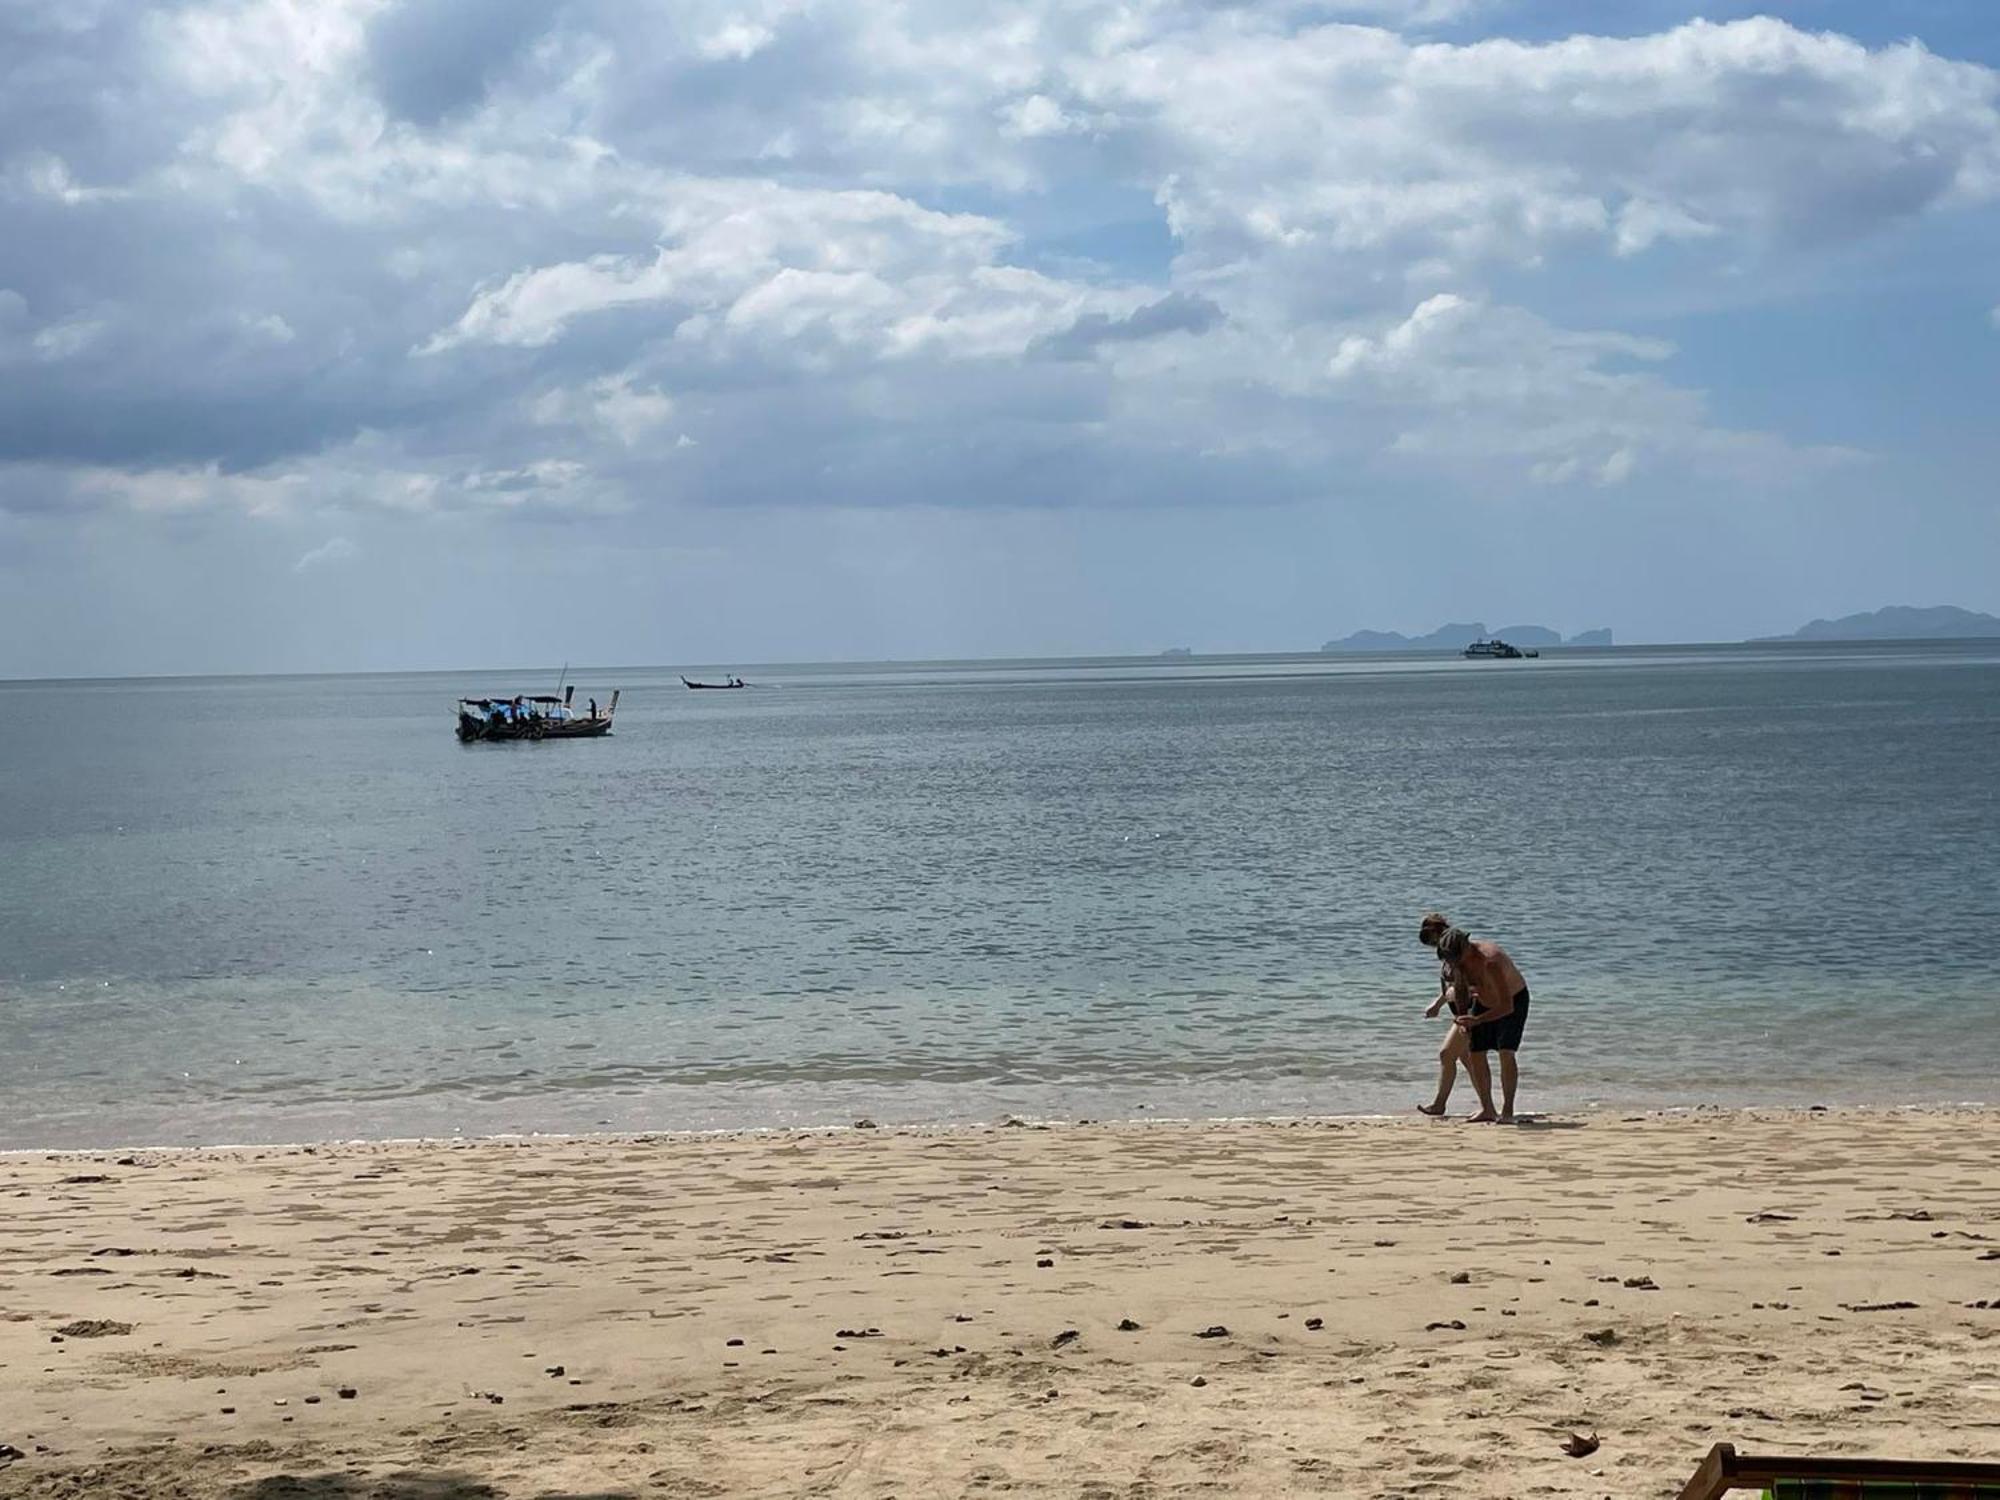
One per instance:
(1412,1117)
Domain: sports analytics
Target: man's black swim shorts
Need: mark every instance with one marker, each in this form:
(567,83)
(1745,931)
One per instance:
(1503,1035)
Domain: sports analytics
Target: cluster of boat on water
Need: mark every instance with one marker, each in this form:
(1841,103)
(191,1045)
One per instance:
(549,717)
(545,716)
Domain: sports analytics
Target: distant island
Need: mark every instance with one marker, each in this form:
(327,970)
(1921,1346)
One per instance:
(1456,637)
(1178,653)
(1899,622)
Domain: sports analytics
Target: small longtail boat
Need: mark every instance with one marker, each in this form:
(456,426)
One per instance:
(733,682)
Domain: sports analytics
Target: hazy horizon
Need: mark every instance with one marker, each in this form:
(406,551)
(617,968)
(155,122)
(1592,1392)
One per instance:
(380,332)
(575,672)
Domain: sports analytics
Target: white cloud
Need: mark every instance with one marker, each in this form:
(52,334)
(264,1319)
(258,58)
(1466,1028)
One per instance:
(1495,390)
(611,404)
(861,251)
(330,552)
(798,270)
(1036,115)
(173,491)
(737,39)
(49,177)
(1352,145)
(67,340)
(270,326)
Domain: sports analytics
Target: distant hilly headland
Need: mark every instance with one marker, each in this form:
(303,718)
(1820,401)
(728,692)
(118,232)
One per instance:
(1456,637)
(1900,622)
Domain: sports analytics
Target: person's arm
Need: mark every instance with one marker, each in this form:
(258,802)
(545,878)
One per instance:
(1444,994)
(1478,1017)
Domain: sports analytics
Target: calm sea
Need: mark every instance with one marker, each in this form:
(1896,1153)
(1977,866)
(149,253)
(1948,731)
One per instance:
(287,908)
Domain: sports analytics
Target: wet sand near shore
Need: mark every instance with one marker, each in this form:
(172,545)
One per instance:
(1348,1308)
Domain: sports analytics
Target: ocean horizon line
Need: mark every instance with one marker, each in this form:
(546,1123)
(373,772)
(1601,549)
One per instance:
(1164,658)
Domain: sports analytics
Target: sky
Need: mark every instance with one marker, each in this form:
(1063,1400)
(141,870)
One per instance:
(398,334)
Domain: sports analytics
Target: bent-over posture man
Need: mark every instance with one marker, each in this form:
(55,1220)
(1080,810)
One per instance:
(1456,991)
(1495,1024)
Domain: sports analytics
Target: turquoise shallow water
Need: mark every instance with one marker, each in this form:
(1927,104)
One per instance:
(276,909)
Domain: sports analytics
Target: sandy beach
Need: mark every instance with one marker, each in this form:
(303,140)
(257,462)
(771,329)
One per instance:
(1349,1308)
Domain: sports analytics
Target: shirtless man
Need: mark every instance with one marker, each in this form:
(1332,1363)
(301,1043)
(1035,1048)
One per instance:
(1495,1024)
(1453,990)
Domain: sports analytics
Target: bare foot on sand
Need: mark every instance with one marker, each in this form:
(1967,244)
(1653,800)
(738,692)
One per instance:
(1484,1117)
(1436,1111)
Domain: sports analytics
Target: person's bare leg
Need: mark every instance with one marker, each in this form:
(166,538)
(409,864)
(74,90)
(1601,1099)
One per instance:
(1482,1083)
(1510,1077)
(1449,1057)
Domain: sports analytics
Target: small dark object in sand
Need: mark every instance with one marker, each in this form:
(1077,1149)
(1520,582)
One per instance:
(734,1343)
(1314,1325)
(489,1396)
(1641,1283)
(1067,1336)
(1044,1265)
(1460,1278)
(1199,1380)
(8,1453)
(83,1178)
(1877,1306)
(229,1411)
(1989,1255)
(858,1333)
(1576,1445)
(1768,1217)
(1454,1323)
(1126,1325)
(93,1328)
(1124,1224)
(347,1393)
(555,1372)
(1213,1331)
(113,1250)
(864,1125)
(312,1401)
(1604,1336)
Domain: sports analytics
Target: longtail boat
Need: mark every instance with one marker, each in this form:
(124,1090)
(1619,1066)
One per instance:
(533,717)
(733,682)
